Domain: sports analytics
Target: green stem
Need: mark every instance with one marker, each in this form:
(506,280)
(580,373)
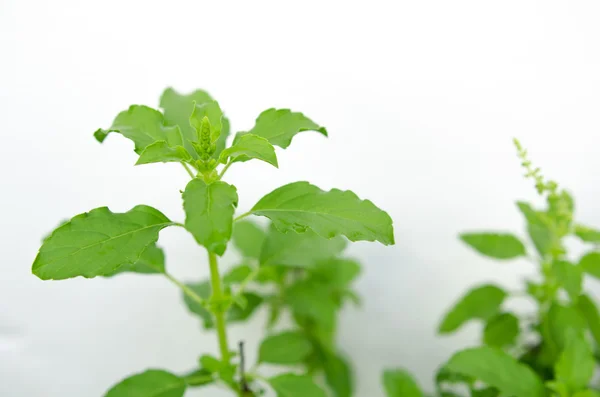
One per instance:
(188,170)
(244,215)
(186,290)
(224,169)
(218,308)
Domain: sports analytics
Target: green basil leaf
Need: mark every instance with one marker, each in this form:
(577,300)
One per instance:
(213,112)
(237,274)
(495,245)
(560,321)
(479,303)
(569,277)
(199,377)
(575,366)
(279,126)
(250,146)
(499,370)
(248,238)
(337,272)
(152,261)
(587,393)
(338,375)
(589,311)
(590,263)
(209,213)
(298,249)
(399,383)
(501,330)
(292,385)
(314,301)
(162,152)
(301,206)
(152,383)
(587,234)
(98,243)
(290,347)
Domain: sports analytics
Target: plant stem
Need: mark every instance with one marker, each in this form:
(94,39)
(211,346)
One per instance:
(188,170)
(224,169)
(186,290)
(217,306)
(245,214)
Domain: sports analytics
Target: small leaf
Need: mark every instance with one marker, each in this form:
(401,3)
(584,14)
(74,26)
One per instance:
(338,375)
(237,274)
(589,311)
(248,238)
(213,112)
(337,272)
(313,301)
(292,385)
(298,249)
(479,303)
(590,263)
(152,383)
(495,245)
(501,330)
(152,261)
(286,348)
(399,383)
(250,146)
(198,377)
(575,366)
(98,242)
(499,370)
(279,126)
(209,213)
(560,321)
(160,151)
(587,234)
(301,206)
(569,277)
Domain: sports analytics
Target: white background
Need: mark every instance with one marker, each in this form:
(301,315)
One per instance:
(421,99)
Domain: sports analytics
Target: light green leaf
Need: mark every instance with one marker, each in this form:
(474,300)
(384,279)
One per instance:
(161,152)
(279,126)
(286,348)
(337,272)
(198,377)
(399,383)
(250,146)
(144,126)
(587,234)
(560,321)
(569,277)
(292,385)
(248,238)
(587,393)
(589,311)
(301,206)
(313,301)
(497,369)
(575,366)
(237,274)
(152,261)
(209,213)
(501,330)
(495,245)
(479,303)
(590,263)
(178,108)
(213,112)
(338,375)
(152,383)
(298,249)
(98,243)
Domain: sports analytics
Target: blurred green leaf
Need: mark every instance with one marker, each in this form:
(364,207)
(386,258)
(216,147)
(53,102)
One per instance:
(292,385)
(495,245)
(590,263)
(290,347)
(338,375)
(501,330)
(479,303)
(587,234)
(575,366)
(399,383)
(151,383)
(569,277)
(248,238)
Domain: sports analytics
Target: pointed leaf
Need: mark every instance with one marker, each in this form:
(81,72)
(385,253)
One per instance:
(338,375)
(250,146)
(213,112)
(301,206)
(161,152)
(499,246)
(590,263)
(479,303)
(279,126)
(399,383)
(575,366)
(497,369)
(144,126)
(560,321)
(292,385)
(501,330)
(290,347)
(209,213)
(248,238)
(589,311)
(152,383)
(569,277)
(298,249)
(587,234)
(98,243)
(152,261)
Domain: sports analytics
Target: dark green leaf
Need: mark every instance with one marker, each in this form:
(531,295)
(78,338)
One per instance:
(152,383)
(286,348)
(279,126)
(152,261)
(209,213)
(587,234)
(292,385)
(590,263)
(399,383)
(499,370)
(588,309)
(575,366)
(569,277)
(248,238)
(298,249)
(98,242)
(338,375)
(479,303)
(495,245)
(501,330)
(247,147)
(301,206)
